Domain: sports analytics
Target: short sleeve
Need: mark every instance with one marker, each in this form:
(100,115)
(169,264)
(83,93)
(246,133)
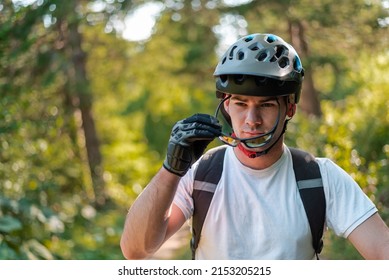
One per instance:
(183,197)
(347,205)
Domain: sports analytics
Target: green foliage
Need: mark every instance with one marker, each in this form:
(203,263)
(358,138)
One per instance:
(336,248)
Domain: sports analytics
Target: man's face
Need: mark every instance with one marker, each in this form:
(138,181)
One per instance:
(253,115)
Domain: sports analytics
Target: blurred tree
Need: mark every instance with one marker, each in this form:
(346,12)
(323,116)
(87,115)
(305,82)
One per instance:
(47,130)
(77,93)
(175,79)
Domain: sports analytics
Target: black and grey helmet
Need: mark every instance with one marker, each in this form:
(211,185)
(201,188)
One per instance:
(260,65)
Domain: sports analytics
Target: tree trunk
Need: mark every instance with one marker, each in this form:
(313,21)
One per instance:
(309,101)
(84,97)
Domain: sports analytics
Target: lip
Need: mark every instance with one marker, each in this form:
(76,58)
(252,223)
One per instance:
(252,134)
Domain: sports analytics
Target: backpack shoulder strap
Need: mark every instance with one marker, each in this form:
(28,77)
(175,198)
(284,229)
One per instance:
(207,176)
(310,185)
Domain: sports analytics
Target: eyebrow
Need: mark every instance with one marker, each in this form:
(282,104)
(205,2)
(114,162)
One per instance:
(242,98)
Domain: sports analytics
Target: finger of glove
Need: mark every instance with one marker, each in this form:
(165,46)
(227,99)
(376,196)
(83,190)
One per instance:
(199,135)
(194,132)
(203,119)
(187,137)
(197,127)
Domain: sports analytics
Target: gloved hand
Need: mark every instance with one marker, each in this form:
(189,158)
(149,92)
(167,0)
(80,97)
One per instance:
(188,140)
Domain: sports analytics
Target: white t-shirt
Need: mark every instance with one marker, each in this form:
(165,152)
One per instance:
(258,214)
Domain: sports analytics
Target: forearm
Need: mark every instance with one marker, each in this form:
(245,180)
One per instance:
(146,223)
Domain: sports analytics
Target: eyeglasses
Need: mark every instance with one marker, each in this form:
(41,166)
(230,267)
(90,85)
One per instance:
(251,142)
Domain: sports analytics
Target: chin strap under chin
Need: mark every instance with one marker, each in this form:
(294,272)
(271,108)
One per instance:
(252,154)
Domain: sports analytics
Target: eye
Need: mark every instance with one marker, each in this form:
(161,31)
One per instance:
(240,104)
(268,104)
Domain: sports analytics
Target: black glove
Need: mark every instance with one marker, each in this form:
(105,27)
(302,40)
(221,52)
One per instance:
(188,140)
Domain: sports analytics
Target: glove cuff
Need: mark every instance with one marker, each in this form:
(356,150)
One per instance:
(173,171)
(178,159)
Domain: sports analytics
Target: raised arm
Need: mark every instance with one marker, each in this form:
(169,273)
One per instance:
(153,218)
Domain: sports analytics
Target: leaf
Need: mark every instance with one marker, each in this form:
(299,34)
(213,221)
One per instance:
(9,224)
(7,253)
(36,250)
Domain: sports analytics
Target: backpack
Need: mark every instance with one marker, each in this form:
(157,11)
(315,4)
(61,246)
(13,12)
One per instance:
(308,178)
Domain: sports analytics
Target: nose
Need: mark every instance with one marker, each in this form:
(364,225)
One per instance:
(253,116)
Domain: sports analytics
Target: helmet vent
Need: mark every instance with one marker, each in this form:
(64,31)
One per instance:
(280,51)
(223,78)
(297,64)
(284,62)
(271,39)
(262,56)
(231,55)
(254,47)
(248,38)
(240,55)
(274,58)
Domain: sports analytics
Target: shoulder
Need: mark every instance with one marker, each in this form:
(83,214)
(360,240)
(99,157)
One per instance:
(338,184)
(332,174)
(204,163)
(218,149)
(210,166)
(330,168)
(212,157)
(326,165)
(347,205)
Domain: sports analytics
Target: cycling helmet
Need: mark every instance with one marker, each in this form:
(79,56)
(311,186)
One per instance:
(260,65)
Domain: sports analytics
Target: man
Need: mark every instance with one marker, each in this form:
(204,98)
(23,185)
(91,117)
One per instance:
(256,211)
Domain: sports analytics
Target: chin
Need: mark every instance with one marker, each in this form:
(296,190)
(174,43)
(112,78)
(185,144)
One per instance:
(256,149)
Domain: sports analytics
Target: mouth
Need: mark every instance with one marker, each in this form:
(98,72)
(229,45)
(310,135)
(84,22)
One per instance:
(251,134)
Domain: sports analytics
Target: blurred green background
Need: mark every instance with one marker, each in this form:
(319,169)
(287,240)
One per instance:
(88,97)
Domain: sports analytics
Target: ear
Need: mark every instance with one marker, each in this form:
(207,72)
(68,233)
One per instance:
(291,110)
(226,105)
